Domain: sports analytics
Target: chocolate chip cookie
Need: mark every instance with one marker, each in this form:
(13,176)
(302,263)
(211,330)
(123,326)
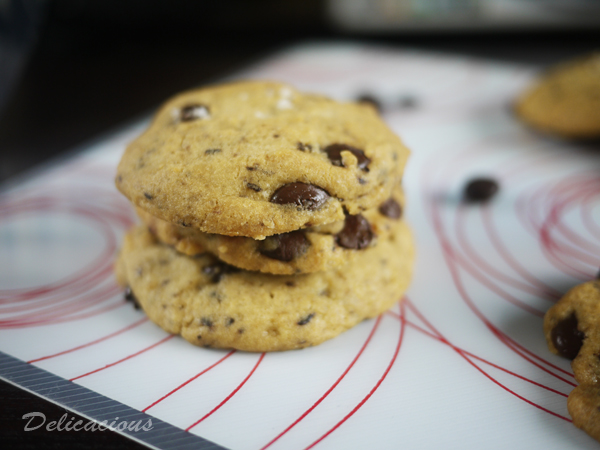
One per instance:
(572,330)
(313,249)
(566,100)
(213,304)
(257,159)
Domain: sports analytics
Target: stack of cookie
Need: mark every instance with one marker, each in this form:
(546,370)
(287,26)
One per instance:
(271,219)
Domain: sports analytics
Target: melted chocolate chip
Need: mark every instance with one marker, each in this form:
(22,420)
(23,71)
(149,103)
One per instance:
(193,112)
(286,246)
(212,151)
(148,196)
(567,339)
(206,322)
(254,187)
(369,100)
(356,234)
(480,190)
(304,196)
(306,319)
(391,208)
(334,153)
(304,147)
(130,297)
(218,270)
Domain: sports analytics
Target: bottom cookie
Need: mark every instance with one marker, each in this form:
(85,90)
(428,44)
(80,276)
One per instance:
(212,304)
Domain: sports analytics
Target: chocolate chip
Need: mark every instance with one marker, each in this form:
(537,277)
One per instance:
(362,181)
(306,319)
(130,297)
(229,321)
(254,187)
(275,136)
(217,271)
(285,247)
(567,339)
(480,190)
(304,147)
(391,208)
(290,283)
(356,234)
(334,153)
(206,322)
(148,196)
(407,102)
(304,196)
(193,112)
(369,100)
(212,151)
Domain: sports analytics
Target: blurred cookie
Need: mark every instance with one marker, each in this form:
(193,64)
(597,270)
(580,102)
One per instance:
(215,305)
(572,330)
(566,100)
(259,158)
(303,251)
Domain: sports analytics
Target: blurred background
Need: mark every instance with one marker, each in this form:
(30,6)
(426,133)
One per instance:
(71,70)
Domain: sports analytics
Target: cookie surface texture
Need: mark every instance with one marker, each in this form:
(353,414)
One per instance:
(572,330)
(566,100)
(305,251)
(211,304)
(259,158)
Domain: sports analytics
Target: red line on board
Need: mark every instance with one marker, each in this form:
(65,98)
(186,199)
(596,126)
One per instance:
(126,358)
(333,386)
(189,381)
(472,355)
(483,372)
(229,396)
(372,391)
(116,333)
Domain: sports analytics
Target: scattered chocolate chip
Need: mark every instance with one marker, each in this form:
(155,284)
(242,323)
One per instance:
(275,136)
(334,153)
(304,196)
(254,187)
(407,102)
(148,196)
(212,151)
(229,321)
(199,337)
(184,224)
(356,234)
(304,147)
(480,190)
(391,208)
(206,322)
(241,331)
(254,167)
(306,319)
(290,283)
(370,100)
(362,181)
(193,112)
(218,270)
(285,247)
(567,339)
(130,297)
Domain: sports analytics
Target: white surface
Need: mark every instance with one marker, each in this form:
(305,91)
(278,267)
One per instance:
(462,364)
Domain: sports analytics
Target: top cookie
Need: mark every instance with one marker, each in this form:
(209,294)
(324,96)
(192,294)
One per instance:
(566,100)
(259,158)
